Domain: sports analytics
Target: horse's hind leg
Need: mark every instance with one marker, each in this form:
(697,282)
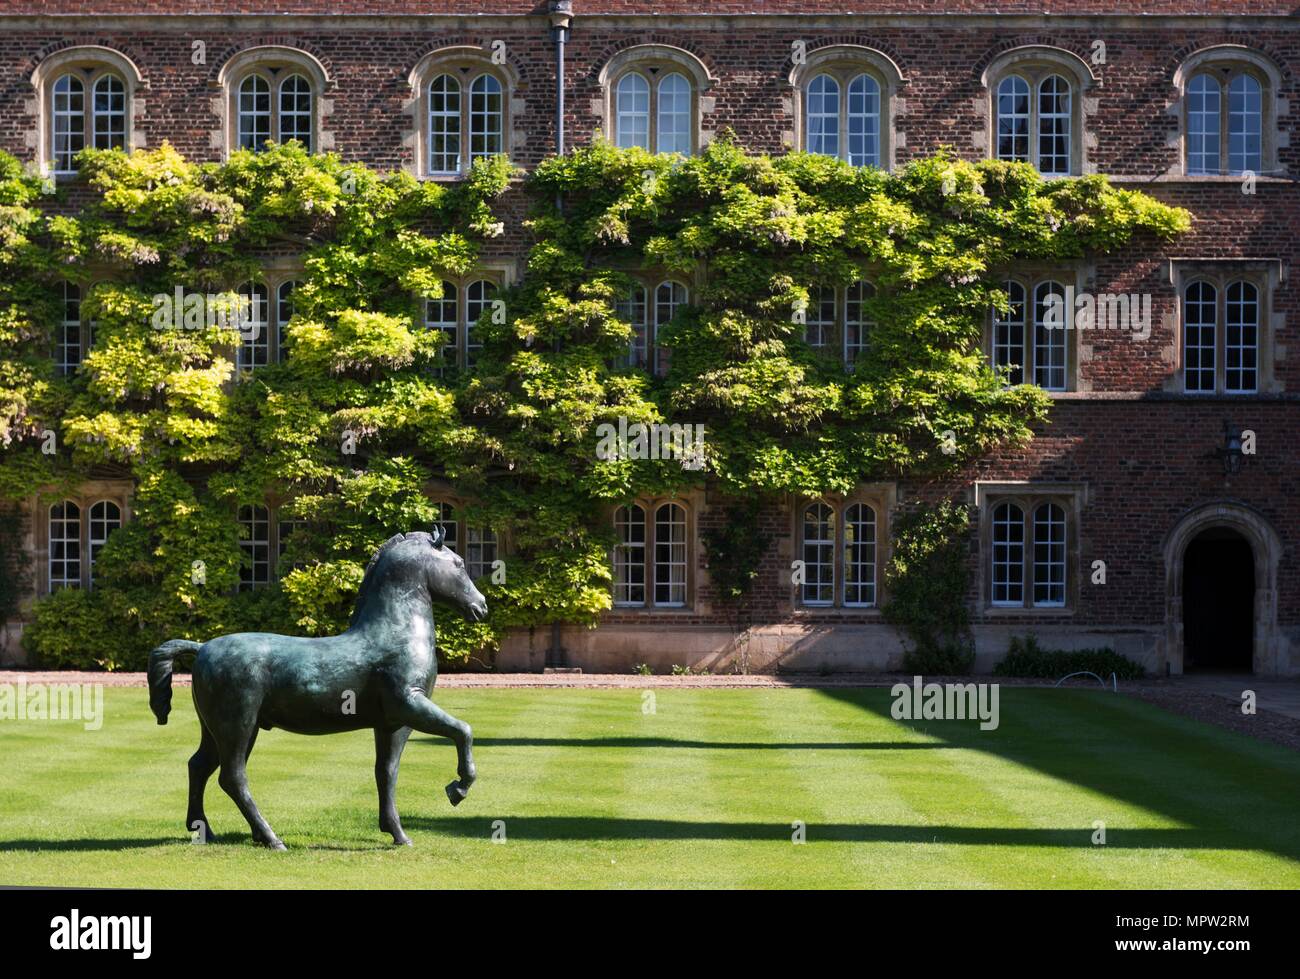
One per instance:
(234,779)
(388,755)
(421,713)
(202,764)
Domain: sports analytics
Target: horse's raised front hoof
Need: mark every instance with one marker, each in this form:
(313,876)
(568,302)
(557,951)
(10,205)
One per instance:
(456,793)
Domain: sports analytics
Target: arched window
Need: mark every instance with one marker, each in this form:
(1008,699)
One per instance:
(843,102)
(629,555)
(1008,555)
(1030,566)
(444,125)
(818,555)
(486,118)
(1221,336)
(462,110)
(478,300)
(271,111)
(650,558)
(859,556)
(480,551)
(255,539)
(1209,142)
(1200,330)
(819,326)
(632,309)
(632,112)
(670,296)
(254,344)
(105,517)
(84,99)
(652,98)
(857,322)
(1241,338)
(283,313)
(444,314)
(254,113)
(1036,108)
(67,349)
(1051,324)
(673,130)
(1013,117)
(73,128)
(273,94)
(1009,336)
(296,113)
(670,556)
(837,320)
(1049,555)
(65,545)
(1035,129)
(456,313)
(445,518)
(837,543)
(846,127)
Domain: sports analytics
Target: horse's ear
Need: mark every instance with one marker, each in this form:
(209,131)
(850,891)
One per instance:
(435,536)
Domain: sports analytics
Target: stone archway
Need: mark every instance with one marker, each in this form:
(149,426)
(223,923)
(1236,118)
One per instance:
(1268,654)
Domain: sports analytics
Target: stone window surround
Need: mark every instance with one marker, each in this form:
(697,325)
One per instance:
(85,496)
(642,56)
(259,59)
(104,60)
(1033,62)
(447,60)
(1266,274)
(1030,275)
(1231,57)
(1028,495)
(691,503)
(842,61)
(881,497)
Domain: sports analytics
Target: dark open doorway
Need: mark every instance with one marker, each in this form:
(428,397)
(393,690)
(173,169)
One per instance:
(1218,602)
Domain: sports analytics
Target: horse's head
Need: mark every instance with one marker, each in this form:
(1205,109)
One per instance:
(448,581)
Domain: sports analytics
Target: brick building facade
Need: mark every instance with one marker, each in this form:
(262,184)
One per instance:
(1189,100)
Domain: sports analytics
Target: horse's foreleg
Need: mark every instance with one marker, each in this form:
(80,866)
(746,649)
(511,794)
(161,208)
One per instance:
(234,779)
(388,755)
(421,713)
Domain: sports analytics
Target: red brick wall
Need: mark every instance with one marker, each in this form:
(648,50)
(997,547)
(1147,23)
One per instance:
(1145,461)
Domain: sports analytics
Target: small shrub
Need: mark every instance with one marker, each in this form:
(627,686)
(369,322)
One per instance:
(951,659)
(1025,657)
(643,669)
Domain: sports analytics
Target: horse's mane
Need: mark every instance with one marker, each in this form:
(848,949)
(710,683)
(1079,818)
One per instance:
(368,580)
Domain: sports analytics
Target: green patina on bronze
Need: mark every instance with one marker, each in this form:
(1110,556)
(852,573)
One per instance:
(377,674)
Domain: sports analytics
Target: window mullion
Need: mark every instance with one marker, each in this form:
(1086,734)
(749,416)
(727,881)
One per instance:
(1027,556)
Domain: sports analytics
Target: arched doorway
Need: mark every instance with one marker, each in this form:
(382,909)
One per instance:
(1221,563)
(1218,602)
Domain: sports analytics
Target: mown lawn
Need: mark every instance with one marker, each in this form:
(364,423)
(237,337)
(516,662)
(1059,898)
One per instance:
(593,791)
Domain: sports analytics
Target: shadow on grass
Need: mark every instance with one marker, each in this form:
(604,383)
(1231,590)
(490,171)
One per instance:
(1194,774)
(636,742)
(594,828)
(91,844)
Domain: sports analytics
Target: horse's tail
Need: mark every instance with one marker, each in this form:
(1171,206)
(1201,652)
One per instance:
(160,674)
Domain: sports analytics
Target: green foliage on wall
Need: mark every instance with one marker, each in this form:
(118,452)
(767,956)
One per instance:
(517,435)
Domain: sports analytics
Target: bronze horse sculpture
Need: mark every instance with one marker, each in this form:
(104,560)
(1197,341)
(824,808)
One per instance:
(377,674)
